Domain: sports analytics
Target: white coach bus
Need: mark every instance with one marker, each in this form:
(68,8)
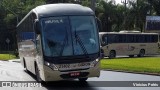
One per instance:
(59,41)
(129,43)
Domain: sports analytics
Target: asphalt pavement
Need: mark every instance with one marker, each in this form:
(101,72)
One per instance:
(109,80)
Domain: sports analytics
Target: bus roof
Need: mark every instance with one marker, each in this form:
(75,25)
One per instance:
(59,10)
(62,9)
(125,33)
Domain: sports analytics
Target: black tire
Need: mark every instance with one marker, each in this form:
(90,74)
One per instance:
(25,67)
(82,79)
(112,54)
(131,55)
(141,53)
(38,79)
(102,54)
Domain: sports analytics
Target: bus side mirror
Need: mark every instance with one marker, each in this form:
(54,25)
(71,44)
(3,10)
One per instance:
(37,26)
(99,24)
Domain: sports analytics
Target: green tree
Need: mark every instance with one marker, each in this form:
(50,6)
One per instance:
(18,8)
(13,10)
(137,15)
(111,15)
(154,7)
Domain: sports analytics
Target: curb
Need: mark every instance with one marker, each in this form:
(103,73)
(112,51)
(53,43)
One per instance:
(14,60)
(145,73)
(4,60)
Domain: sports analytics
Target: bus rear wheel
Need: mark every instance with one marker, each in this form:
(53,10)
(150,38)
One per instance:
(112,54)
(141,53)
(82,79)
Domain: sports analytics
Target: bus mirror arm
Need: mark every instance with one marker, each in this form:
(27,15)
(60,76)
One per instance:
(37,26)
(99,24)
(101,53)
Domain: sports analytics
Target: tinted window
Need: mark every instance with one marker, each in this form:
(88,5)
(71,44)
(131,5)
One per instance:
(147,39)
(139,38)
(84,31)
(122,38)
(130,38)
(112,38)
(66,36)
(56,36)
(154,38)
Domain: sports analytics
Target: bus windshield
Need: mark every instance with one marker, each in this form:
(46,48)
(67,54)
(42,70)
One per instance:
(67,36)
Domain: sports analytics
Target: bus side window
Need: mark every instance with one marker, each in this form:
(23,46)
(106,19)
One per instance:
(112,38)
(122,38)
(139,39)
(104,40)
(130,38)
(154,38)
(147,39)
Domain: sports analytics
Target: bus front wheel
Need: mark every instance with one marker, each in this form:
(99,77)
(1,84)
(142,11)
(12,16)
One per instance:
(141,53)
(112,54)
(82,79)
(37,74)
(25,66)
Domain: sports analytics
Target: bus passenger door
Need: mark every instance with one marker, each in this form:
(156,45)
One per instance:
(38,58)
(104,44)
(32,55)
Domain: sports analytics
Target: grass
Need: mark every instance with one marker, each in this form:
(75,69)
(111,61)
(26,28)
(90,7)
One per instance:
(7,56)
(140,65)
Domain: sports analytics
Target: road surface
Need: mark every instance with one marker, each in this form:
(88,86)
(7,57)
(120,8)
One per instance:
(13,71)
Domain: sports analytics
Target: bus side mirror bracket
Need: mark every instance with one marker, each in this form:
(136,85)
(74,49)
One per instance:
(101,53)
(36,26)
(99,24)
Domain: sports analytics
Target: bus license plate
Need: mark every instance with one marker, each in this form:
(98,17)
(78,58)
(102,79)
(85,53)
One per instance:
(74,73)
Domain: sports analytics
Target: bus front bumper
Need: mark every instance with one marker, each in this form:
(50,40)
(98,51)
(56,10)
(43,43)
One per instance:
(55,75)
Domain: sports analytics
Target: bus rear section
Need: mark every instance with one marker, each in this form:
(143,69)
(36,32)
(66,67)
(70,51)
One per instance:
(66,43)
(130,44)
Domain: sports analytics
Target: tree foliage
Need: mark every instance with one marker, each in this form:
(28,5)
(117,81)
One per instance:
(18,9)
(114,17)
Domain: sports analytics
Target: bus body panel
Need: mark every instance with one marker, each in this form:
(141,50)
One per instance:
(130,48)
(50,75)
(27,52)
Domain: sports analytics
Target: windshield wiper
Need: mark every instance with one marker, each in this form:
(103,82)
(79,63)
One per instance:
(81,43)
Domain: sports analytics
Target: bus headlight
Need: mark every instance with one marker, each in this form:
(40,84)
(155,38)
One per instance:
(94,63)
(52,66)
